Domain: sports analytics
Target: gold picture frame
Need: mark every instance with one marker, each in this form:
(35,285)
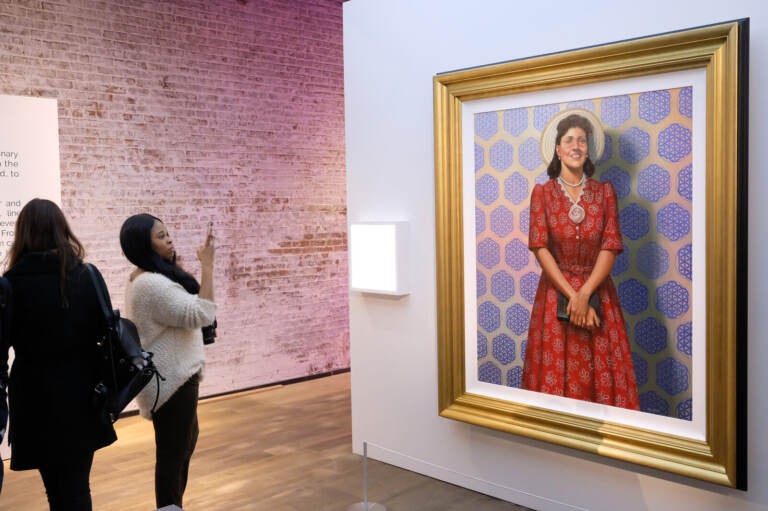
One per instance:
(719,53)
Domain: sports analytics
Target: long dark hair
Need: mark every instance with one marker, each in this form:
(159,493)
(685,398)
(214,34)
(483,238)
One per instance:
(42,227)
(136,242)
(572,121)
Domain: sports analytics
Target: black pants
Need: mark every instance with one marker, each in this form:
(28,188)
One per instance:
(176,433)
(67,482)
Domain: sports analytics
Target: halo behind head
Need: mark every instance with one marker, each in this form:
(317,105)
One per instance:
(549,134)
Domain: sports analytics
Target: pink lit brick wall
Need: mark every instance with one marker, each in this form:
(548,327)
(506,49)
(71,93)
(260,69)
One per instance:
(198,110)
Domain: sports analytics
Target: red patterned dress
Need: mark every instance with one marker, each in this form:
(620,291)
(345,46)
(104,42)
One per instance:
(560,358)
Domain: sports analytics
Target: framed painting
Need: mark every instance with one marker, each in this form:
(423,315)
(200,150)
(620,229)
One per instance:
(662,381)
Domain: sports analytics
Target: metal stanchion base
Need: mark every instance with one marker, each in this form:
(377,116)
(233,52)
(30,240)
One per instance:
(365,505)
(372,506)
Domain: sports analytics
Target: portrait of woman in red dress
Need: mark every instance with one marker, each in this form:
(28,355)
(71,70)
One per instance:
(574,234)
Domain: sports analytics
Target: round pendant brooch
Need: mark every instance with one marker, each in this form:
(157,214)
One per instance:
(576,214)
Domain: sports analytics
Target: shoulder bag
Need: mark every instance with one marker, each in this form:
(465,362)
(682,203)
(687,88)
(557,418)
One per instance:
(126,367)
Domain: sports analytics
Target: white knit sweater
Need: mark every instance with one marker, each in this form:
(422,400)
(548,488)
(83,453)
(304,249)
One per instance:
(168,319)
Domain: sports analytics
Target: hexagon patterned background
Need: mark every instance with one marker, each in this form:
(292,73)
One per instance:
(648,159)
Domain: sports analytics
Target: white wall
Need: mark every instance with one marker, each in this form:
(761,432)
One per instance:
(393,48)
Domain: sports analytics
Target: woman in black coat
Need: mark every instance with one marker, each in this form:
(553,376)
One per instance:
(56,321)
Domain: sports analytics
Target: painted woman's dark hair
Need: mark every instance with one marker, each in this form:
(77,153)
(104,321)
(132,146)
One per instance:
(136,242)
(572,121)
(42,227)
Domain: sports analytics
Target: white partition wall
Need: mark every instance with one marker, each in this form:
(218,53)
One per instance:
(29,158)
(29,167)
(392,49)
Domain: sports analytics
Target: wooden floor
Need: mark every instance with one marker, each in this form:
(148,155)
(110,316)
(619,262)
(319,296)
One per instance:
(286,448)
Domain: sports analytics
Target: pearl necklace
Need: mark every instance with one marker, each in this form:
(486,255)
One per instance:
(573,185)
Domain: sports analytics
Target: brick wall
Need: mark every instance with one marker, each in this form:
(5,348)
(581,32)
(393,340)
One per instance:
(228,111)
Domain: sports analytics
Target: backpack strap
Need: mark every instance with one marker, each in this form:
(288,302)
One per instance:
(5,309)
(102,294)
(5,329)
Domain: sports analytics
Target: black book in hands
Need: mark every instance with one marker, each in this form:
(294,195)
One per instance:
(562,306)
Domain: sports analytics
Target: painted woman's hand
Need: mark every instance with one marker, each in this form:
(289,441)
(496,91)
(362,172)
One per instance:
(578,309)
(593,320)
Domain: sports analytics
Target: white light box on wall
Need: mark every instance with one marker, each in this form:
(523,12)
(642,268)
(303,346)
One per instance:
(378,254)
